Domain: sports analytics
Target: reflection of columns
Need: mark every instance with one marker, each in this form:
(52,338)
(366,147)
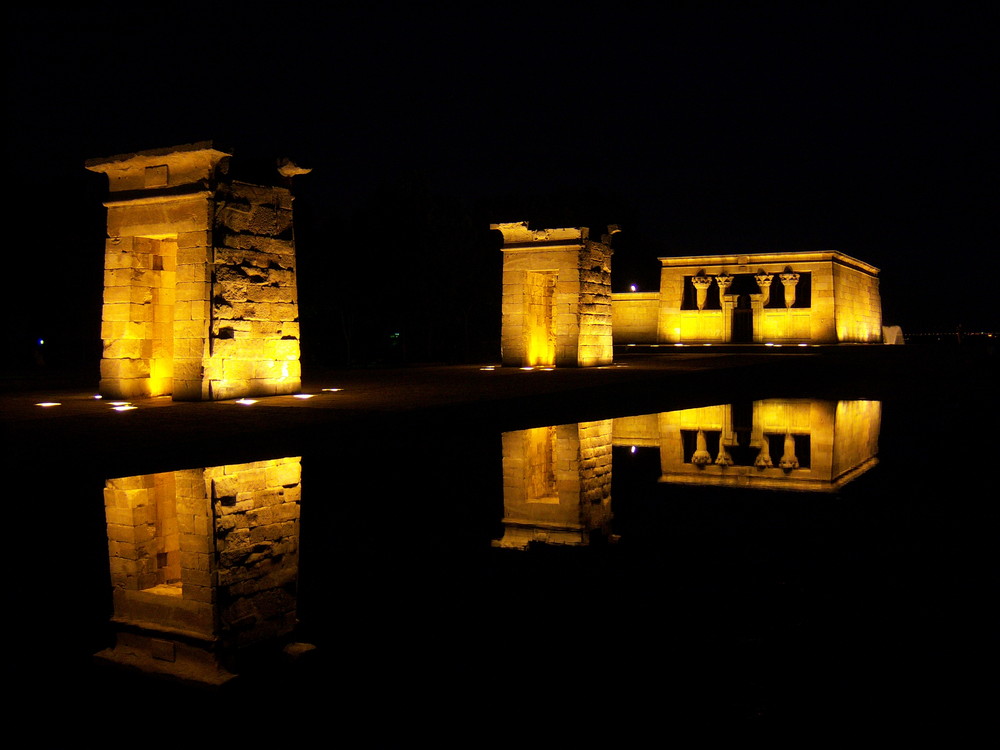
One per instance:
(701,284)
(763,460)
(789,280)
(701,455)
(788,459)
(723,459)
(764,282)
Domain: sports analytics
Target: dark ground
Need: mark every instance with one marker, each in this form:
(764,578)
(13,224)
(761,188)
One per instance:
(865,607)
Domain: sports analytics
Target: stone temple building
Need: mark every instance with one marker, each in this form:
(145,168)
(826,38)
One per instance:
(558,308)
(200,296)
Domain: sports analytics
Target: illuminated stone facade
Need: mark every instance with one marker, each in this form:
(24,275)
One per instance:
(556,304)
(200,296)
(777,444)
(204,564)
(557,484)
(762,298)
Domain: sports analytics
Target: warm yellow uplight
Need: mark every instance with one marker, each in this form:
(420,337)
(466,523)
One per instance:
(304,395)
(119,403)
(527,368)
(124,407)
(49,403)
(488,368)
(246,401)
(332,390)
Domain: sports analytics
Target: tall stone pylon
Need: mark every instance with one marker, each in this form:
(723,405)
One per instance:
(556,304)
(200,293)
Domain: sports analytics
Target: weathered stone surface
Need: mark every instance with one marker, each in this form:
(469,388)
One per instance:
(180,264)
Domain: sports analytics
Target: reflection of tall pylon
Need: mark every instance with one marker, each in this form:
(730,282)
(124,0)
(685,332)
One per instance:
(557,484)
(204,564)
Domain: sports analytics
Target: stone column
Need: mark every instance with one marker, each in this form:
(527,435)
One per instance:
(701,455)
(788,458)
(763,460)
(789,280)
(701,284)
(764,283)
(724,280)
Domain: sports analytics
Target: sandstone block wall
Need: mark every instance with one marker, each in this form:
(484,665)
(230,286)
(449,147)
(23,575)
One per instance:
(840,437)
(634,317)
(844,303)
(858,306)
(557,484)
(556,304)
(204,563)
(200,294)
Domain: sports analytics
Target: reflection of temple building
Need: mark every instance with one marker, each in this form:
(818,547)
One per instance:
(204,564)
(557,484)
(786,444)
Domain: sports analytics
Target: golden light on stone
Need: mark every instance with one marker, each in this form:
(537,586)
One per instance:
(200,299)
(203,565)
(828,298)
(557,479)
(557,484)
(556,305)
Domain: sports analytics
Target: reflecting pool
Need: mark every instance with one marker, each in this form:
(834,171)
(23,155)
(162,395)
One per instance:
(757,560)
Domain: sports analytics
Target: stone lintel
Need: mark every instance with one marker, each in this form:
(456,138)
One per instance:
(159,168)
(173,195)
(758,259)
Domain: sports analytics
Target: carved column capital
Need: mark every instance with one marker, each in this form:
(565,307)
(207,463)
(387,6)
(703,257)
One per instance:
(764,283)
(789,280)
(701,284)
(724,280)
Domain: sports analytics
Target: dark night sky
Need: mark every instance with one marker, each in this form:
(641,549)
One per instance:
(702,129)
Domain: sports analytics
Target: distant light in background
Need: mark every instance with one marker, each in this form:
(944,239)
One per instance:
(48,403)
(633,288)
(488,368)
(98,396)
(41,341)
(633,449)
(332,390)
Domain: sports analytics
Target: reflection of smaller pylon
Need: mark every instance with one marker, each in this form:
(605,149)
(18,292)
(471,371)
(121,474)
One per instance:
(788,459)
(701,455)
(763,460)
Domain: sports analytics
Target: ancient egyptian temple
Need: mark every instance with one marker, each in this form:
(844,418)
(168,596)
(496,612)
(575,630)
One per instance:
(200,299)
(558,308)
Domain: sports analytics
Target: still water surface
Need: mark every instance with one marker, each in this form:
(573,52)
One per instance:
(759,560)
